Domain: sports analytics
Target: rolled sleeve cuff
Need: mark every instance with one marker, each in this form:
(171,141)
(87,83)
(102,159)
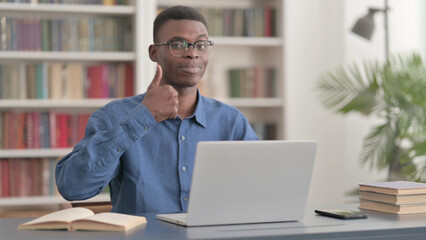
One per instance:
(138,122)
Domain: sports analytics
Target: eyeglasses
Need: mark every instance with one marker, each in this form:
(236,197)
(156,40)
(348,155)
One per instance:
(179,47)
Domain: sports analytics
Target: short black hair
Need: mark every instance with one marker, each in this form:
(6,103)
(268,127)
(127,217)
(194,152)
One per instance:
(176,13)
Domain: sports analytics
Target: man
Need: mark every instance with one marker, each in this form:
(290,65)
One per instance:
(144,146)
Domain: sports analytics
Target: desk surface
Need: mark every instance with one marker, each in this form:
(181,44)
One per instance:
(377,226)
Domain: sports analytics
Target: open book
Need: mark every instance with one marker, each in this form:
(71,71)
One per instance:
(79,218)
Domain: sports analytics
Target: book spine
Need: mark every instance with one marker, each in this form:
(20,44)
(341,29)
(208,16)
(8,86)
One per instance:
(5,178)
(1,130)
(129,84)
(36,130)
(45,176)
(52,129)
(30,130)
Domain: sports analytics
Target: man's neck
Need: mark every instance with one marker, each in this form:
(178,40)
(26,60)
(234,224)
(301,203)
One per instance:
(187,101)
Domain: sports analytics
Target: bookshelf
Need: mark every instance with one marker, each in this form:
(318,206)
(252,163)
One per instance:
(35,153)
(136,13)
(244,52)
(229,52)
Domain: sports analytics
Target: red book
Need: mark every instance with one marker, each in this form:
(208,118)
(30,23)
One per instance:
(15,176)
(73,129)
(129,82)
(5,177)
(267,22)
(62,130)
(82,122)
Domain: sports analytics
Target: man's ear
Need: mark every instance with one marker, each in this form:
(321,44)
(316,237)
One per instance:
(153,53)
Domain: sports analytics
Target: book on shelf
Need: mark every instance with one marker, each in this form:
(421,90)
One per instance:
(239,22)
(255,82)
(392,208)
(33,130)
(86,2)
(66,35)
(24,177)
(74,219)
(394,199)
(394,187)
(66,81)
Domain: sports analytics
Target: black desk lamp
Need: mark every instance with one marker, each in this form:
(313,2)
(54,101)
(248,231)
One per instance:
(364,27)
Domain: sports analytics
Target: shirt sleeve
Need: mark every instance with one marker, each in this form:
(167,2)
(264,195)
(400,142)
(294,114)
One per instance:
(95,160)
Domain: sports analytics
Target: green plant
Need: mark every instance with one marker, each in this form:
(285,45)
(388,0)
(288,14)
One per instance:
(394,93)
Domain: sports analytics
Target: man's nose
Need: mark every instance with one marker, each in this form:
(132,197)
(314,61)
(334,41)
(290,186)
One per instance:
(191,52)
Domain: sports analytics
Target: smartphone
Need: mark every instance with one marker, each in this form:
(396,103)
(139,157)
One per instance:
(341,213)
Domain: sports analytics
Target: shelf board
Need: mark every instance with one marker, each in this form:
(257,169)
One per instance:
(17,202)
(68,56)
(51,9)
(48,103)
(34,153)
(212,4)
(254,102)
(248,41)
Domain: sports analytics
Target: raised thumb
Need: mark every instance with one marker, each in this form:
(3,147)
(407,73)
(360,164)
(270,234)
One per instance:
(157,78)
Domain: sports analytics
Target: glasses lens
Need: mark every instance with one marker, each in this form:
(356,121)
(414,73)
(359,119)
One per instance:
(202,46)
(178,48)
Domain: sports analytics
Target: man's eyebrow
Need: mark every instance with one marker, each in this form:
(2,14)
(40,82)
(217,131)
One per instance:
(176,38)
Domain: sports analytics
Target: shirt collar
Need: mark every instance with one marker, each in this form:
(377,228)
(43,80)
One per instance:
(200,110)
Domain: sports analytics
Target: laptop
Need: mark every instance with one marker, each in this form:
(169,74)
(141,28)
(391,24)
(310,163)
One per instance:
(239,182)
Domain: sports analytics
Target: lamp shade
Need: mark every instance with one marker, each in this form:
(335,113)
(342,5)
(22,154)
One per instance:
(364,27)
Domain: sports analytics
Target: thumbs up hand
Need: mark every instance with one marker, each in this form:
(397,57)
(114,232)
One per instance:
(161,100)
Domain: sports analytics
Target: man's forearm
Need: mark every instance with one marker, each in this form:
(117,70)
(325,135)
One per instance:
(94,161)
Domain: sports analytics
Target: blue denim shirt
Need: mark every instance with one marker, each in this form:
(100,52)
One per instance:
(147,165)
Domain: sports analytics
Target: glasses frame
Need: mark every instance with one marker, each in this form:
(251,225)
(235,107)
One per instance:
(188,45)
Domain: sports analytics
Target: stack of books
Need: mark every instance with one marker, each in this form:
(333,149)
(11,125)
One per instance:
(398,197)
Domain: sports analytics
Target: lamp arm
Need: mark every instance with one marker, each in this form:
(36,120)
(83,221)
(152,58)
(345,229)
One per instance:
(386,23)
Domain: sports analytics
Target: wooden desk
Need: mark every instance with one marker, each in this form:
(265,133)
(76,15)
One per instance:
(377,226)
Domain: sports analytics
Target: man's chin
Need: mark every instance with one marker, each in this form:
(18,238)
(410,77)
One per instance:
(186,85)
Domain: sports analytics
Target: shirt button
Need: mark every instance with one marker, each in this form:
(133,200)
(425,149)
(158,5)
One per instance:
(184,169)
(186,199)
(119,149)
(145,128)
(183,138)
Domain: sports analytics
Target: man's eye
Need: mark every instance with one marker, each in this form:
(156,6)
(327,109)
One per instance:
(201,46)
(176,45)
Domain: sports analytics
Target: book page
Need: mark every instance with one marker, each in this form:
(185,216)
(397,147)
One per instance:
(66,215)
(116,219)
